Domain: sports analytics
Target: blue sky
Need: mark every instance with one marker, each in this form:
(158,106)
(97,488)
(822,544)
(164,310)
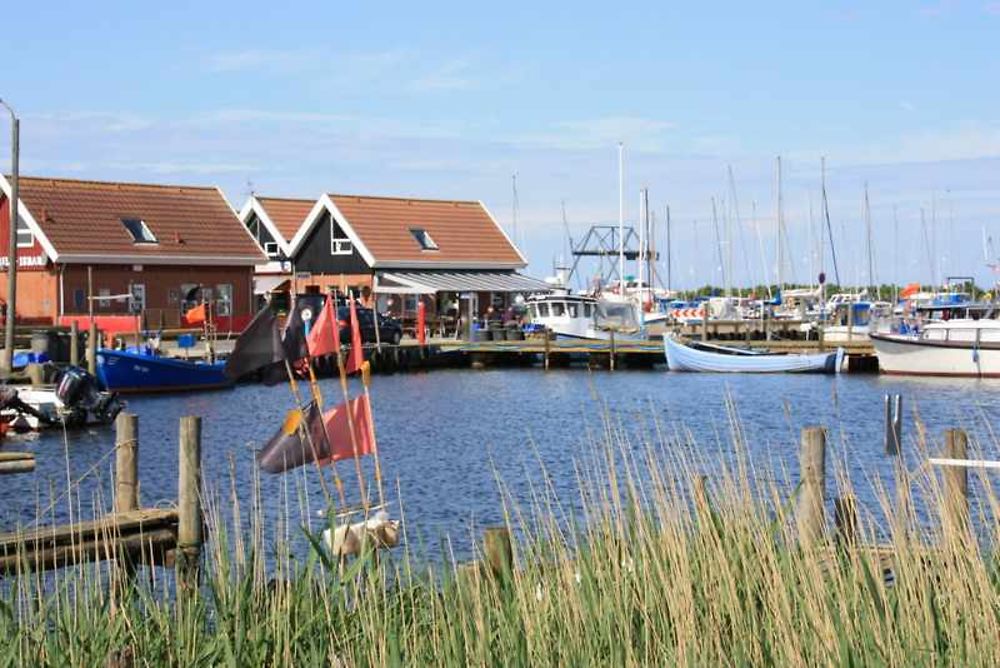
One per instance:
(438,100)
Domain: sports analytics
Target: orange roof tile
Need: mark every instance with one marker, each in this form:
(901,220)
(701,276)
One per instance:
(464,231)
(83,218)
(287,214)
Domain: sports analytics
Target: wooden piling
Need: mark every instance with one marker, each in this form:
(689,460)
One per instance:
(17,462)
(821,328)
(809,514)
(612,361)
(850,322)
(956,481)
(498,551)
(126,463)
(190,523)
(548,345)
(704,322)
(845,519)
(74,343)
(92,348)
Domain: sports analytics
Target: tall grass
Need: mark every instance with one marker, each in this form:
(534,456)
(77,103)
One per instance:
(647,567)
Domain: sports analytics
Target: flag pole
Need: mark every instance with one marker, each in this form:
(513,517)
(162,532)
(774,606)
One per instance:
(366,378)
(303,429)
(318,398)
(350,417)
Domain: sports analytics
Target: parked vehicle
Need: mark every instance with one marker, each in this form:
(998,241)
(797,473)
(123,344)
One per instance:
(390,330)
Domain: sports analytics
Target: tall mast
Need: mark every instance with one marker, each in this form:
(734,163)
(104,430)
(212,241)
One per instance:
(781,230)
(829,226)
(760,247)
(670,282)
(513,206)
(718,246)
(621,219)
(895,254)
(868,233)
(640,258)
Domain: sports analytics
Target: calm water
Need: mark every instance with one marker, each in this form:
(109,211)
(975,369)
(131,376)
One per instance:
(445,436)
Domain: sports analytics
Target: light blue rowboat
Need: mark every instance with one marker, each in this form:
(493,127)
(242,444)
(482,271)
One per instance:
(684,358)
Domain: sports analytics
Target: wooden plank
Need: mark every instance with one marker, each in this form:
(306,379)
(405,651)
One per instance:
(139,546)
(136,520)
(17,466)
(16,456)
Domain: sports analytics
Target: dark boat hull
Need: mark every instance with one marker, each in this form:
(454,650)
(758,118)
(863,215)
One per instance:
(128,372)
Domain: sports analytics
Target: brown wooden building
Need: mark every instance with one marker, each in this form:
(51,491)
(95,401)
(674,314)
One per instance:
(111,249)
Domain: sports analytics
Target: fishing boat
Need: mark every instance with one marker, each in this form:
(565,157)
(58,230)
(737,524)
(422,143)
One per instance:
(964,347)
(571,316)
(76,401)
(144,371)
(685,358)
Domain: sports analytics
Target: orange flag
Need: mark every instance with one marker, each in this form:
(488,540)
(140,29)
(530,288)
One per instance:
(357,355)
(196,315)
(324,337)
(910,290)
(338,430)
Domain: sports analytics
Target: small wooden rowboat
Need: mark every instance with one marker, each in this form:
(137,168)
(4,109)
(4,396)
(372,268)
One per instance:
(684,358)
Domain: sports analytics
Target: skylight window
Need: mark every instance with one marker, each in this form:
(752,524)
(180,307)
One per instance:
(423,238)
(139,230)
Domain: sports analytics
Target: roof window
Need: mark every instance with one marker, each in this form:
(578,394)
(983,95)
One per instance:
(139,230)
(423,238)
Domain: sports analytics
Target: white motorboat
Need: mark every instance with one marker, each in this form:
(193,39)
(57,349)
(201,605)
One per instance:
(572,316)
(964,347)
(75,402)
(686,358)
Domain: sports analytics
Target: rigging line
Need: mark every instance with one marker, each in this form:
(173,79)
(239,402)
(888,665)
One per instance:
(829,227)
(718,243)
(739,226)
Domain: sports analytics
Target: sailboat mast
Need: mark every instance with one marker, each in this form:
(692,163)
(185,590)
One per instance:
(781,230)
(670,283)
(640,258)
(513,206)
(829,226)
(895,254)
(868,233)
(718,245)
(760,247)
(621,218)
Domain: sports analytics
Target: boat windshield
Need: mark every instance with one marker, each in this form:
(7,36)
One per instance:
(574,309)
(588,310)
(558,309)
(543,310)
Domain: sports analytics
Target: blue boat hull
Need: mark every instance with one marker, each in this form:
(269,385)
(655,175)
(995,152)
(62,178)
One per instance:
(130,372)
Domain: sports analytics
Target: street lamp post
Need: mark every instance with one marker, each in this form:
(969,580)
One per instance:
(6,363)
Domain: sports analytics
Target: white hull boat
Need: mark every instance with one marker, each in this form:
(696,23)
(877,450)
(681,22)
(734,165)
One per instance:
(953,348)
(584,317)
(684,358)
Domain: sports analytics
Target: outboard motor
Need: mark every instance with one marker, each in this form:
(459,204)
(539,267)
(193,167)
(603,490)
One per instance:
(82,398)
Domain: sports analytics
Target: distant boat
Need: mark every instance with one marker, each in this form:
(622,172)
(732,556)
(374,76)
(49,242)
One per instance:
(964,347)
(571,316)
(125,371)
(685,358)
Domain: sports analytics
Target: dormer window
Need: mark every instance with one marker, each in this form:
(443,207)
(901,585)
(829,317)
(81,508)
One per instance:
(25,237)
(340,243)
(139,230)
(423,238)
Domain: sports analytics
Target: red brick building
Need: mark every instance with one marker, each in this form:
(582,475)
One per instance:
(110,249)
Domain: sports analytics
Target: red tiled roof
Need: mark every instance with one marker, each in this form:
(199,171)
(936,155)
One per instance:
(286,214)
(463,231)
(83,218)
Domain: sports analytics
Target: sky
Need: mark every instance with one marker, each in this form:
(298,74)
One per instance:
(452,100)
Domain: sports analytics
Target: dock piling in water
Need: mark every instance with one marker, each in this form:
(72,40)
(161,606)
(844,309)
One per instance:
(810,517)
(190,523)
(956,482)
(126,463)
(498,551)
(92,348)
(74,343)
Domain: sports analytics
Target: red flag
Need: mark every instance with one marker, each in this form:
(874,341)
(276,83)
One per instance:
(196,315)
(910,290)
(324,337)
(421,322)
(357,355)
(338,431)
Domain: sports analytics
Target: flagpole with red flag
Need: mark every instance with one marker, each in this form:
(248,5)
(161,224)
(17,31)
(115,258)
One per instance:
(355,351)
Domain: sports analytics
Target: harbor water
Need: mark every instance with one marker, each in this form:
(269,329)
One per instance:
(447,437)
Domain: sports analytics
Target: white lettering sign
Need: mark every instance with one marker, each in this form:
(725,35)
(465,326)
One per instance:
(24,261)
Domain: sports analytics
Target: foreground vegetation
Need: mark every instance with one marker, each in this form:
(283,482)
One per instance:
(650,568)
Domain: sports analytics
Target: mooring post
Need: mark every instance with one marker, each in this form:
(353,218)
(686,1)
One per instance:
(850,322)
(822,335)
(126,462)
(74,343)
(498,551)
(548,345)
(190,524)
(812,464)
(704,321)
(92,349)
(956,480)
(612,360)
(845,519)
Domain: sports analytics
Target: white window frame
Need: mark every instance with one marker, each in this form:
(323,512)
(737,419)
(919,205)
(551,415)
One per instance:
(271,248)
(22,228)
(424,239)
(147,234)
(339,245)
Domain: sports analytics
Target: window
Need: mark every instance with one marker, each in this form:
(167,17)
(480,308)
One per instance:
(104,301)
(271,248)
(573,309)
(139,230)
(543,310)
(587,310)
(340,244)
(79,300)
(558,309)
(224,302)
(423,238)
(25,237)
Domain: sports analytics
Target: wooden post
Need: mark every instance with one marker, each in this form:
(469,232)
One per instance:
(92,349)
(498,551)
(74,343)
(850,321)
(704,321)
(126,463)
(822,335)
(190,522)
(17,462)
(845,519)
(956,481)
(612,360)
(547,346)
(812,464)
